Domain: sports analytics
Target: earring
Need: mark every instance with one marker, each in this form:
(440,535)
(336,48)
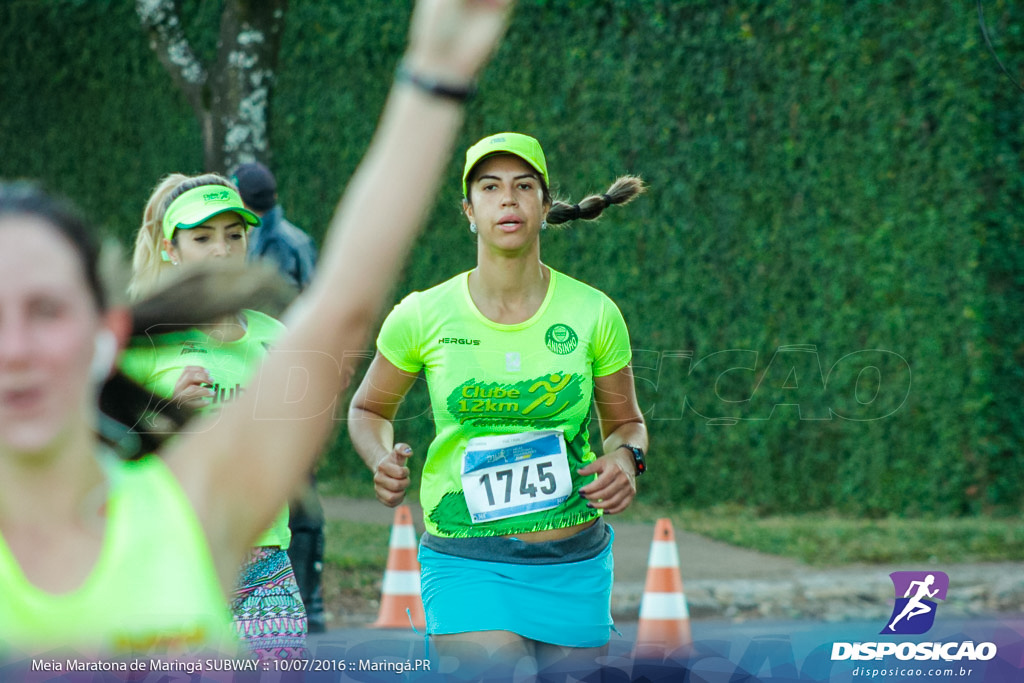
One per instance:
(543,225)
(472,228)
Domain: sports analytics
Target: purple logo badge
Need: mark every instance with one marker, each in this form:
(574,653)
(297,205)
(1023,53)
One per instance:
(916,593)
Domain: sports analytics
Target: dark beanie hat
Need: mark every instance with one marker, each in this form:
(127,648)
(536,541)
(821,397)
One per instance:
(257,186)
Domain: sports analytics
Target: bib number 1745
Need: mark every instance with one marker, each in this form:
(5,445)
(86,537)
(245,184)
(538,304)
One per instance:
(544,477)
(509,475)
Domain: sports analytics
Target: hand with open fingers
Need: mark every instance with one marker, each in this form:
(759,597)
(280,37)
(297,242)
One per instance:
(450,40)
(615,486)
(391,476)
(193,390)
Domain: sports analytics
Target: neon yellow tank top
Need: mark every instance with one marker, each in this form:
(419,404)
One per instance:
(153,591)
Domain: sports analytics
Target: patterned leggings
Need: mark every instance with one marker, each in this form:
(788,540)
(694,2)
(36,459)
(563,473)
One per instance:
(267,608)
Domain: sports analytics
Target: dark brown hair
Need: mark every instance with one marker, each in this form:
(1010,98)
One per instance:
(472,175)
(622,191)
(30,199)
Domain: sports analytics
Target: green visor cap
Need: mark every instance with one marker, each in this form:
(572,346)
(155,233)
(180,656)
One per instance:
(200,204)
(522,146)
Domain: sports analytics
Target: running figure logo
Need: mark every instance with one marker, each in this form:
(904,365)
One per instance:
(914,613)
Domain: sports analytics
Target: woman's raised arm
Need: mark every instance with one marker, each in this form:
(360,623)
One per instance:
(238,467)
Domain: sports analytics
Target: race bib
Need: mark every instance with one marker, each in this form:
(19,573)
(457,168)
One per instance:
(515,474)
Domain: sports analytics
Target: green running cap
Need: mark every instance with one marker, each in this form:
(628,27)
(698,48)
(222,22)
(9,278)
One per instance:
(200,204)
(522,146)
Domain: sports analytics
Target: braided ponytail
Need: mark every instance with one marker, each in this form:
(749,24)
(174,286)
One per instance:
(622,191)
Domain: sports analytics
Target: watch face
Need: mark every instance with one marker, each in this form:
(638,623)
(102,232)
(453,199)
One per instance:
(638,459)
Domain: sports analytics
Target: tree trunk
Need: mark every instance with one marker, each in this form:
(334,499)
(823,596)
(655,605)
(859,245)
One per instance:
(231,101)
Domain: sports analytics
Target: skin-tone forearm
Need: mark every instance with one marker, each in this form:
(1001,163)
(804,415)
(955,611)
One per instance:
(371,429)
(621,423)
(372,436)
(417,132)
(632,433)
(374,439)
(412,161)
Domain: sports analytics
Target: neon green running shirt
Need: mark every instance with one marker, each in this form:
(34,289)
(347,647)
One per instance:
(153,590)
(488,379)
(157,363)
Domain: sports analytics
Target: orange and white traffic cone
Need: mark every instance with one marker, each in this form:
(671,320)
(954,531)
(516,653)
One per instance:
(664,625)
(400,601)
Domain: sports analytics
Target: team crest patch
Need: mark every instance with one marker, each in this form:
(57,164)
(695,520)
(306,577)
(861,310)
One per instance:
(561,339)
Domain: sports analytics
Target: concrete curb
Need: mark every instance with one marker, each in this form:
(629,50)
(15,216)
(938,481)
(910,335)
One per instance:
(721,581)
(835,595)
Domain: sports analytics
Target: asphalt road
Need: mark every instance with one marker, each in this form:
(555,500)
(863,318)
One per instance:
(722,652)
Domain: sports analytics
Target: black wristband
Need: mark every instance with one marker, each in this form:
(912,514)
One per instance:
(433,87)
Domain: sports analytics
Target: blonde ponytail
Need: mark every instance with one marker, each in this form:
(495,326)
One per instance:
(147,258)
(148,264)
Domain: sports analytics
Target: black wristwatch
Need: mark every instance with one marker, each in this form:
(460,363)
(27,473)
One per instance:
(638,458)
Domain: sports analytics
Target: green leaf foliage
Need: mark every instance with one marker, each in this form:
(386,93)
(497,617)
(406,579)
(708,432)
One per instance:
(824,284)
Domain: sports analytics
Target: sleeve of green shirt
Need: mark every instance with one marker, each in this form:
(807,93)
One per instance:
(612,351)
(399,340)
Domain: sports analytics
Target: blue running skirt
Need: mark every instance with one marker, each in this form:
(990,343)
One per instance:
(565,603)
